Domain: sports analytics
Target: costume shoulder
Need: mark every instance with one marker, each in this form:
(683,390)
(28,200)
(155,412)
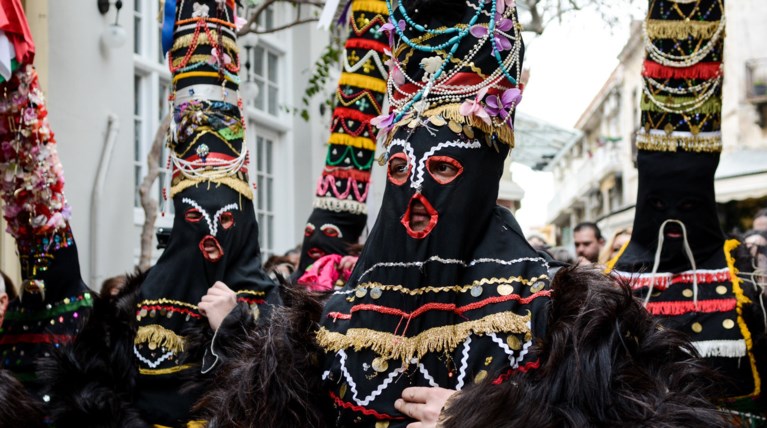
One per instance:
(89,381)
(273,375)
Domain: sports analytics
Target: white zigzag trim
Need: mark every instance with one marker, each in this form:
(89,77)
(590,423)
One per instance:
(150,363)
(425,373)
(212,224)
(417,181)
(376,58)
(353,386)
(464,363)
(721,348)
(505,347)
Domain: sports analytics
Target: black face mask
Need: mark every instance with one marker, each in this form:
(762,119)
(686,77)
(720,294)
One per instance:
(677,186)
(329,232)
(439,229)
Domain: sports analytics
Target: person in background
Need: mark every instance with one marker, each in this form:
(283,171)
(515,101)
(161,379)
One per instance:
(7,293)
(614,245)
(588,242)
(760,220)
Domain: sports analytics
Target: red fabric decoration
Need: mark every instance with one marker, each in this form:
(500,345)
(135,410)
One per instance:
(701,70)
(14,23)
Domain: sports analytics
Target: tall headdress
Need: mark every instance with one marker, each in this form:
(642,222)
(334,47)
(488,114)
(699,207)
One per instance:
(447,291)
(53,298)
(678,259)
(215,233)
(340,204)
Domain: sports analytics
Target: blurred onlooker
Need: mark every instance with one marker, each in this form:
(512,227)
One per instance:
(538,243)
(7,293)
(588,242)
(562,254)
(614,245)
(294,256)
(111,286)
(282,265)
(760,221)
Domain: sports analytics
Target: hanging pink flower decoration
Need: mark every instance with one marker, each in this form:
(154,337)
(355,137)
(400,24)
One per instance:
(389,29)
(501,5)
(216,57)
(475,108)
(504,105)
(394,71)
(384,121)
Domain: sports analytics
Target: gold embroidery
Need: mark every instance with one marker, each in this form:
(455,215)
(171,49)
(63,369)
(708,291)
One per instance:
(156,336)
(438,339)
(164,301)
(453,288)
(662,29)
(169,370)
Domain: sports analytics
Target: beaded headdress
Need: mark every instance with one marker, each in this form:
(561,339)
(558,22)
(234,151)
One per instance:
(206,138)
(457,69)
(340,204)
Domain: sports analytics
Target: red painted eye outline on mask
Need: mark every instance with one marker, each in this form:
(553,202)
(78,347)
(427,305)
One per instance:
(444,169)
(308,230)
(193,215)
(331,231)
(398,177)
(226,219)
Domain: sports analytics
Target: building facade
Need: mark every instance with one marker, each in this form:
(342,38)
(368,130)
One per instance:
(595,176)
(100,97)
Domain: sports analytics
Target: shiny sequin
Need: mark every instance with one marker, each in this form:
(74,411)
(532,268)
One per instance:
(375,292)
(505,289)
(380,365)
(476,291)
(687,292)
(728,324)
(480,376)
(697,327)
(721,289)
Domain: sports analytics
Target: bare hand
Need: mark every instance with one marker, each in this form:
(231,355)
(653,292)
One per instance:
(347,263)
(217,304)
(423,404)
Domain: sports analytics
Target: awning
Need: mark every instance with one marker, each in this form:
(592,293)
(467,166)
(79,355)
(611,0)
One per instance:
(742,174)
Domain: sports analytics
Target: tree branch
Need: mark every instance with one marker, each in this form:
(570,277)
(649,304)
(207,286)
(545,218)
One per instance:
(286,26)
(148,203)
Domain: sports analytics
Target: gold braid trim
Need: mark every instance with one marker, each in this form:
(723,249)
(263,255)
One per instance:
(159,372)
(350,140)
(679,30)
(451,112)
(251,292)
(670,143)
(234,183)
(363,82)
(438,339)
(375,6)
(159,337)
(729,246)
(202,39)
(165,302)
(454,288)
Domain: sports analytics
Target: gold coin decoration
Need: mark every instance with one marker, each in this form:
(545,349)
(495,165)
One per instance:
(505,289)
(468,131)
(342,390)
(514,343)
(142,313)
(480,376)
(538,286)
(455,126)
(375,292)
(437,121)
(361,292)
(380,365)
(721,289)
(697,327)
(382,424)
(528,336)
(728,324)
(687,292)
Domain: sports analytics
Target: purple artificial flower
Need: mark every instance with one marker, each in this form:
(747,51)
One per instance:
(388,28)
(384,121)
(504,105)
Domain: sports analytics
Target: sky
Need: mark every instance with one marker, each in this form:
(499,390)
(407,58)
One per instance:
(568,64)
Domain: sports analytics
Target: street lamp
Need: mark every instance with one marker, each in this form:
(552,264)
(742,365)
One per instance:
(114,35)
(249,88)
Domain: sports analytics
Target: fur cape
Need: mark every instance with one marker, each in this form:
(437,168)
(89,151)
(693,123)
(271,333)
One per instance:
(17,407)
(605,362)
(273,377)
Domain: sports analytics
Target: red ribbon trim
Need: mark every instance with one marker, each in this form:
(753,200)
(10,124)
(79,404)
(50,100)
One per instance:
(703,70)
(684,307)
(12,339)
(534,365)
(360,176)
(350,113)
(363,410)
(367,44)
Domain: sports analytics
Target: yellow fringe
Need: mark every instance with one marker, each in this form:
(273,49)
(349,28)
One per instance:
(611,263)
(159,372)
(680,30)
(451,112)
(729,246)
(363,82)
(160,337)
(202,39)
(234,183)
(189,424)
(454,288)
(666,143)
(350,140)
(438,339)
(374,6)
(164,301)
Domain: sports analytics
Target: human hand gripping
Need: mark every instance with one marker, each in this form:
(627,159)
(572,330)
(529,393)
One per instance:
(217,303)
(424,404)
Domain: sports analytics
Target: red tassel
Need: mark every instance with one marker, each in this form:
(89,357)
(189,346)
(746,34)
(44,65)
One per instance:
(703,70)
(687,306)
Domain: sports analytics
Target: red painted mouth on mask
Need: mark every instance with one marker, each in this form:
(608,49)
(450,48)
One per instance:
(673,231)
(420,218)
(211,249)
(315,253)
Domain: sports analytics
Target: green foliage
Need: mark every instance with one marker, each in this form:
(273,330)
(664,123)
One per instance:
(331,57)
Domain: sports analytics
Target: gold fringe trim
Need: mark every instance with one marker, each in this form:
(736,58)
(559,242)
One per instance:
(712,105)
(679,30)
(453,288)
(611,263)
(251,292)
(363,82)
(350,140)
(670,143)
(159,372)
(438,339)
(729,246)
(374,6)
(202,39)
(165,302)
(235,184)
(189,424)
(451,112)
(159,337)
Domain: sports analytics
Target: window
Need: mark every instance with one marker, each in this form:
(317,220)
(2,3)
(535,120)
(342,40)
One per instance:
(151,88)
(264,194)
(264,72)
